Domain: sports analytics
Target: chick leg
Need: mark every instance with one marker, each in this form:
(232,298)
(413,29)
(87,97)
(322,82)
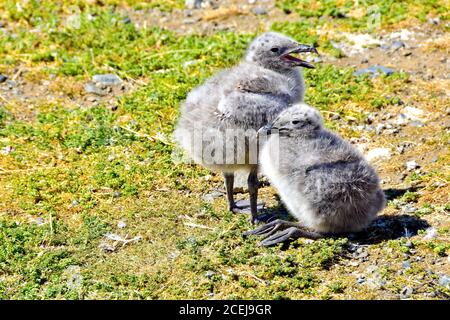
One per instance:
(229,183)
(253,193)
(241,206)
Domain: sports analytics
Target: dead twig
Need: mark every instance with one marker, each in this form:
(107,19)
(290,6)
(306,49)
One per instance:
(3,171)
(147,136)
(194,225)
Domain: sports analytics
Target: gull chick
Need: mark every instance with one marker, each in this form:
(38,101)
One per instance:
(220,118)
(325,183)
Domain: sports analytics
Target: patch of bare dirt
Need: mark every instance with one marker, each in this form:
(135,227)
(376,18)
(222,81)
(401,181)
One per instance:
(227,15)
(421,51)
(25,89)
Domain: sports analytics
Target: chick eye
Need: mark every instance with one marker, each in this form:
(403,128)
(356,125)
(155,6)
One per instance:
(295,122)
(275,49)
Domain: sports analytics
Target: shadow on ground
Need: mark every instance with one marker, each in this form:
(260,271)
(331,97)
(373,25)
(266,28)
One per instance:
(392,194)
(389,228)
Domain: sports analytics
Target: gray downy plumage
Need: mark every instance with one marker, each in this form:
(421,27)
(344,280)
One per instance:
(325,183)
(241,100)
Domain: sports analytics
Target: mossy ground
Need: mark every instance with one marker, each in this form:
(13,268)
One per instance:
(71,169)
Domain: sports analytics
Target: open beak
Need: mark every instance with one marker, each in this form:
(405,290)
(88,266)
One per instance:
(299,62)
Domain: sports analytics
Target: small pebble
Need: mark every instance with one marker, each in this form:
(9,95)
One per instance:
(363,255)
(401,149)
(92,88)
(190,21)
(121,224)
(370,118)
(416,123)
(411,165)
(434,21)
(174,254)
(116,194)
(403,176)
(7,150)
(409,208)
(259,11)
(397,45)
(209,274)
(106,247)
(3,78)
(378,153)
(360,280)
(374,71)
(39,221)
(409,244)
(107,79)
(335,116)
(413,113)
(379,128)
(430,233)
(371,269)
(193,4)
(444,281)
(376,282)
(353,247)
(401,119)
(209,197)
(406,293)
(446,124)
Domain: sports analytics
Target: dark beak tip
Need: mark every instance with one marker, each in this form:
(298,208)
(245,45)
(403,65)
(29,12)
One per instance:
(307,48)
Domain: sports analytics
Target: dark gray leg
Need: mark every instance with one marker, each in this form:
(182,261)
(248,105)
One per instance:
(289,231)
(243,206)
(253,192)
(229,183)
(290,234)
(270,228)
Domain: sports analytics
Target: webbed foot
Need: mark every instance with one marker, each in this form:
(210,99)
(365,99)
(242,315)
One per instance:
(280,231)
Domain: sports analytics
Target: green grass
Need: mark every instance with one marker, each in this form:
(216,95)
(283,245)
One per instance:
(364,15)
(77,170)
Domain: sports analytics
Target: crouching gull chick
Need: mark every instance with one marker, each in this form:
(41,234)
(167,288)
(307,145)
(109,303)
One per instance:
(323,180)
(220,119)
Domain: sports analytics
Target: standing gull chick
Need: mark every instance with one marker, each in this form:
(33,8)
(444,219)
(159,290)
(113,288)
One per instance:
(220,119)
(322,179)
